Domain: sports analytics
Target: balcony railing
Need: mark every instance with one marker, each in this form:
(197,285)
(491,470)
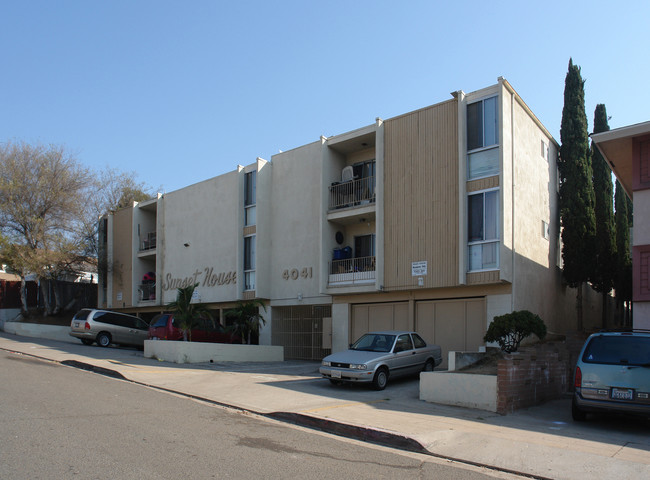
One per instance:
(147,291)
(352,271)
(352,193)
(149,242)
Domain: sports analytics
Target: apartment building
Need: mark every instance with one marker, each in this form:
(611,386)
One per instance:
(436,220)
(627,151)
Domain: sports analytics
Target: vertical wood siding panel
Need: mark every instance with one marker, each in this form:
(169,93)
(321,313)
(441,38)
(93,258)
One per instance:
(421,196)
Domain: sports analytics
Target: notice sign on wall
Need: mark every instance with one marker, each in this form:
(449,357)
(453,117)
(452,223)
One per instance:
(418,268)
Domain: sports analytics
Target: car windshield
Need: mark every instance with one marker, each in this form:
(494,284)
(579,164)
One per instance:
(374,342)
(618,350)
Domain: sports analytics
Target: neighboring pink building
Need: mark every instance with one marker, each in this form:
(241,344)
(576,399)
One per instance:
(627,151)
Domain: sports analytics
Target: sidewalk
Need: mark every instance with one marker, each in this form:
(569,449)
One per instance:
(542,442)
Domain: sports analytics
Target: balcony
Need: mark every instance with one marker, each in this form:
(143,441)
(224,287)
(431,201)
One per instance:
(147,291)
(148,242)
(352,271)
(352,193)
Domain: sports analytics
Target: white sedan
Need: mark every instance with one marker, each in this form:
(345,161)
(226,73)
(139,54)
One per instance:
(378,356)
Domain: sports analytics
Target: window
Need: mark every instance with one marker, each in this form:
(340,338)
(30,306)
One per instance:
(364,246)
(403,343)
(250,194)
(546,230)
(417,340)
(545,150)
(483,138)
(249,263)
(482,230)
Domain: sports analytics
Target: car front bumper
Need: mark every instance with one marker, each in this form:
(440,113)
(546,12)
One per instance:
(347,374)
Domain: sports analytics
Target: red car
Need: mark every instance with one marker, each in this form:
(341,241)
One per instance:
(166,327)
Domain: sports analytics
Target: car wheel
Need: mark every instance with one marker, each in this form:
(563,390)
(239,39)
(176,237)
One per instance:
(85,341)
(103,339)
(381,379)
(577,414)
(335,382)
(429,366)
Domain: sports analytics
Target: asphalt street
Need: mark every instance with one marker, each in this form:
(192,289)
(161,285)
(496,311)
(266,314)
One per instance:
(61,422)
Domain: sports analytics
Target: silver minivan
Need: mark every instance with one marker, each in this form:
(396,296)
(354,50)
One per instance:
(106,327)
(613,374)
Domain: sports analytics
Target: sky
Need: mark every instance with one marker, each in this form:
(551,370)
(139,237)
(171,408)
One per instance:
(181,91)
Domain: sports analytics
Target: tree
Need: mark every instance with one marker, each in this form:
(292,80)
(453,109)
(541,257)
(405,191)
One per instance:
(41,200)
(576,189)
(187,313)
(246,319)
(605,266)
(110,191)
(623,277)
(510,329)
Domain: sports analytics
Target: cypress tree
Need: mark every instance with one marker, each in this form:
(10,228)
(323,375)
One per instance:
(576,189)
(623,277)
(605,266)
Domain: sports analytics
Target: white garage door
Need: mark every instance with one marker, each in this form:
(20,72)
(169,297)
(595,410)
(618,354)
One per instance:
(455,325)
(378,316)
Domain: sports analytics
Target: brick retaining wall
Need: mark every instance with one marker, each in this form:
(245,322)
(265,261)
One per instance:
(536,374)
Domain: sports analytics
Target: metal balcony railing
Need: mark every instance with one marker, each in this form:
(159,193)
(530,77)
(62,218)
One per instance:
(352,270)
(352,193)
(149,242)
(147,291)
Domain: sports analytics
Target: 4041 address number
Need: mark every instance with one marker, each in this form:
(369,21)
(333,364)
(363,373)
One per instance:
(295,273)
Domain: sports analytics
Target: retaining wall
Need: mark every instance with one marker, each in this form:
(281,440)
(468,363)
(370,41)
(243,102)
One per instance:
(199,352)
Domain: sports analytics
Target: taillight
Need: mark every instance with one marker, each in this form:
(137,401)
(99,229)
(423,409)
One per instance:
(87,326)
(578,378)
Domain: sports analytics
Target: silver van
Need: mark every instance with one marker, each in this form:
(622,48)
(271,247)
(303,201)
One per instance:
(106,327)
(613,374)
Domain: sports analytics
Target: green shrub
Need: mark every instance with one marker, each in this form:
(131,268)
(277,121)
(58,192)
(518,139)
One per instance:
(510,329)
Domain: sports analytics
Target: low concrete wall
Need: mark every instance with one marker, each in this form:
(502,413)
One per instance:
(35,330)
(200,352)
(7,315)
(459,389)
(459,360)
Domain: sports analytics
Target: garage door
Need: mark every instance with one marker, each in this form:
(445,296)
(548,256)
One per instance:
(453,324)
(378,316)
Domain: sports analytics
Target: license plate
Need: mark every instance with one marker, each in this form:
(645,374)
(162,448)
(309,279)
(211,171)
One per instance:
(76,324)
(622,394)
(336,374)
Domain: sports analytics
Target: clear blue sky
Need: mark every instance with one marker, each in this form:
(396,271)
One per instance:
(180,91)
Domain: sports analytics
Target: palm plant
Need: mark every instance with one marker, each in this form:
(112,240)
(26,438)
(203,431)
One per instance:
(186,312)
(246,319)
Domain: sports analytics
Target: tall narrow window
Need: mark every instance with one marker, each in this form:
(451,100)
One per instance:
(483,138)
(249,263)
(250,194)
(483,230)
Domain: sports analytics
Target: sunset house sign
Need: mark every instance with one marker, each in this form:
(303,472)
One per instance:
(206,278)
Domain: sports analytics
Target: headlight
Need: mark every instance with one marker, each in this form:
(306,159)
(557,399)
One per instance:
(359,366)
(327,364)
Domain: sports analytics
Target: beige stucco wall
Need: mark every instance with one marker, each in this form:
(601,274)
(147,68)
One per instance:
(121,256)
(294,252)
(206,217)
(530,196)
